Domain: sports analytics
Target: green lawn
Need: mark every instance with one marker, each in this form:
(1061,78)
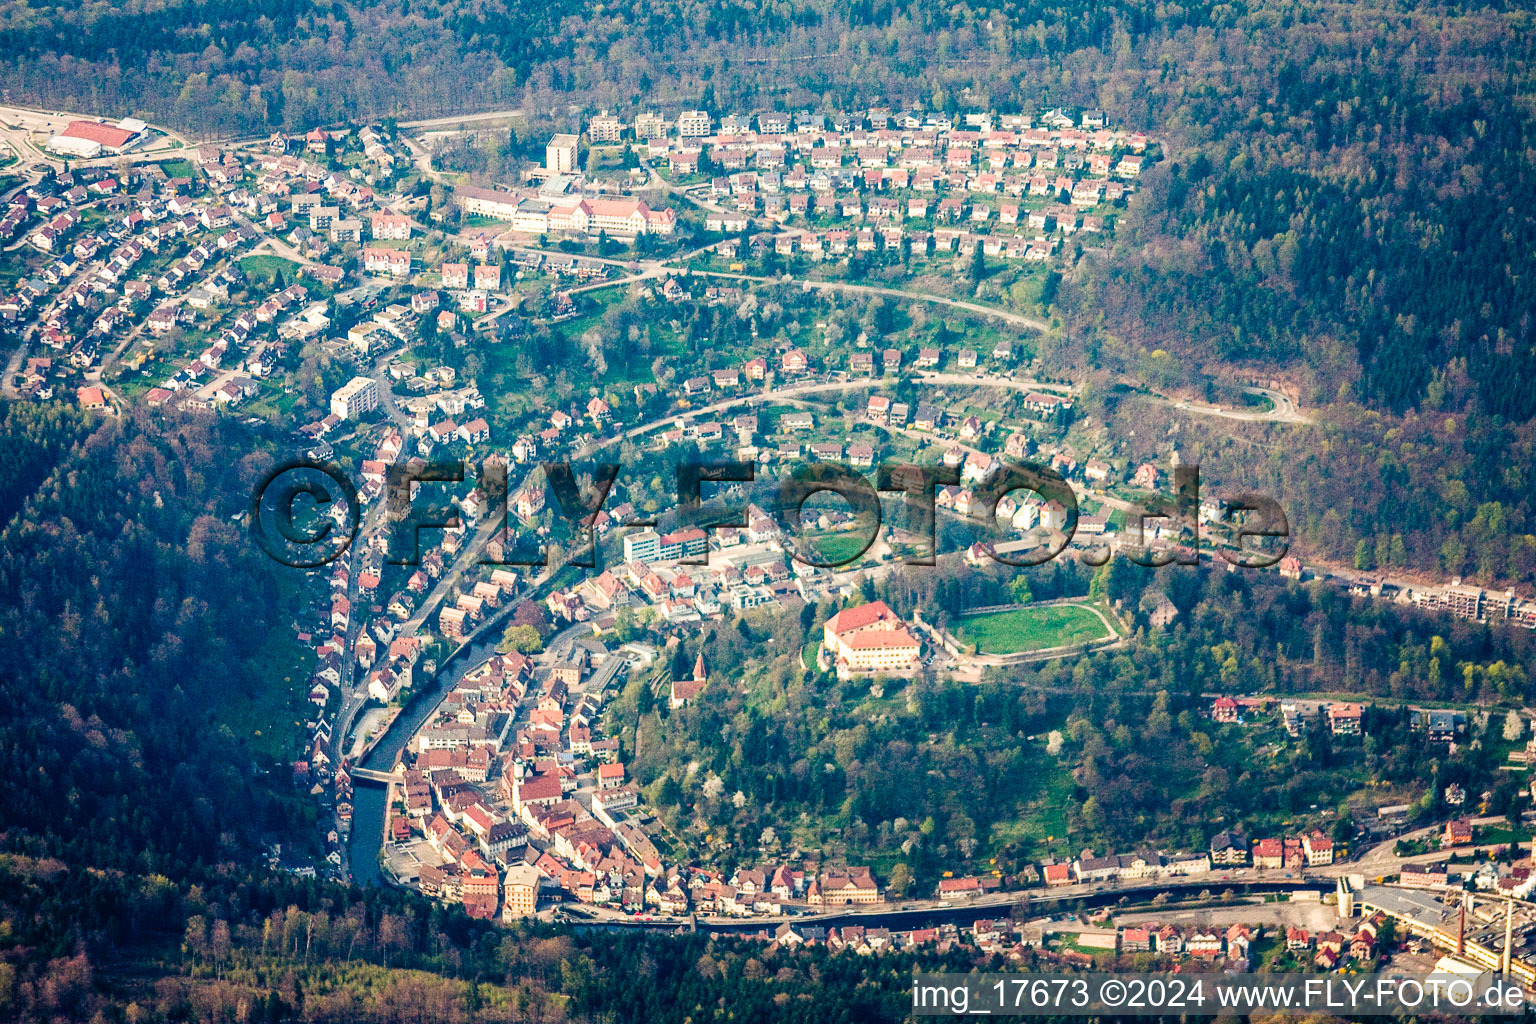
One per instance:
(1030,629)
(1491,834)
(836,546)
(262,268)
(177,168)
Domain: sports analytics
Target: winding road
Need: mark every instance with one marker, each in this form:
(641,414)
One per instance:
(1008,316)
(1284,411)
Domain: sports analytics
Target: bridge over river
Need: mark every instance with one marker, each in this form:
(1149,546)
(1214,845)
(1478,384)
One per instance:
(373,775)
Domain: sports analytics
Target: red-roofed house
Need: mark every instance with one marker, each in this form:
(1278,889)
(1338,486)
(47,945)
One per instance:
(1268,853)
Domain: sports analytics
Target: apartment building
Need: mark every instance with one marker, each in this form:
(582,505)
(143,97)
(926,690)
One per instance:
(605,128)
(356,397)
(391,226)
(560,154)
(693,124)
(650,125)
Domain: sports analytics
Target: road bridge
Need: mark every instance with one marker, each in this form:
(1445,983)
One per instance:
(372,775)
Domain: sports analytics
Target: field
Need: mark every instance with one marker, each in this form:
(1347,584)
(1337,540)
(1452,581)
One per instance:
(181,168)
(263,268)
(837,547)
(1030,629)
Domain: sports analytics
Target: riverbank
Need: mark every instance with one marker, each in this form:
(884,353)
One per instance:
(370,806)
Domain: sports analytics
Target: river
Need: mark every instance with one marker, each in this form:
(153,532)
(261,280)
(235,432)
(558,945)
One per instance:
(368,798)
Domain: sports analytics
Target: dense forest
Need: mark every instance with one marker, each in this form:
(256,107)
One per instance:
(133,612)
(134,615)
(1362,219)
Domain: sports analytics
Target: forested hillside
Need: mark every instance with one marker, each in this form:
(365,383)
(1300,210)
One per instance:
(1369,226)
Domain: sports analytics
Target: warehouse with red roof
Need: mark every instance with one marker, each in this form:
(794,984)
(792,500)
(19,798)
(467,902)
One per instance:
(89,139)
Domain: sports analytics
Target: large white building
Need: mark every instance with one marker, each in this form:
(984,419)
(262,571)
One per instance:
(560,155)
(520,892)
(356,397)
(90,139)
(869,639)
(531,216)
(394,226)
(615,216)
(693,124)
(650,125)
(485,202)
(650,546)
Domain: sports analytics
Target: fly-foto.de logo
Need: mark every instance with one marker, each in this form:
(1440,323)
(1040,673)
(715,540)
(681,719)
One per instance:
(306,513)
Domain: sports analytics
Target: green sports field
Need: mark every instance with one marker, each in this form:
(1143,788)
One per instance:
(1030,629)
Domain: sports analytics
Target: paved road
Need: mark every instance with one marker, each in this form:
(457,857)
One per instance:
(683,192)
(387,399)
(754,398)
(29,178)
(983,380)
(1380,860)
(128,339)
(271,242)
(1008,316)
(421,156)
(1377,861)
(354,691)
(1284,411)
(438,122)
